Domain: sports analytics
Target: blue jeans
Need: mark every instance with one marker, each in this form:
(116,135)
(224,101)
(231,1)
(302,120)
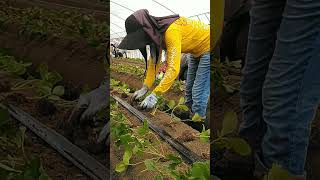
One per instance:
(198,83)
(280,87)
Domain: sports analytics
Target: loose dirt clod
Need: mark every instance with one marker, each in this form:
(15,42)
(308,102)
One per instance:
(15,98)
(45,107)
(5,86)
(186,136)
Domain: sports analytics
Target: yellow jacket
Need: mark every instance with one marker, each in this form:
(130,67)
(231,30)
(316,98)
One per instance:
(182,36)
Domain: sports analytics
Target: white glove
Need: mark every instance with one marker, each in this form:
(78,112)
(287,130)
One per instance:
(149,102)
(94,101)
(138,94)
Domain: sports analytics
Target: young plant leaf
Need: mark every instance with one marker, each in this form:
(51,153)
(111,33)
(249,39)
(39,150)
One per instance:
(58,90)
(143,129)
(184,107)
(171,104)
(229,124)
(175,161)
(43,70)
(127,156)
(239,145)
(181,100)
(120,167)
(150,165)
(205,135)
(201,170)
(278,173)
(54,77)
(197,118)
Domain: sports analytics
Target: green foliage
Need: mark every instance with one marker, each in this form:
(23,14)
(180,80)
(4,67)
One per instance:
(128,69)
(197,118)
(205,134)
(172,105)
(10,65)
(278,173)
(225,140)
(40,23)
(178,86)
(12,166)
(119,86)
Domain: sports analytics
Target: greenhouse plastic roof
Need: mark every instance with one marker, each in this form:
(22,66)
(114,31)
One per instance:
(121,9)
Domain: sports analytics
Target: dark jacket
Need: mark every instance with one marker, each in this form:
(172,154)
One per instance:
(234,38)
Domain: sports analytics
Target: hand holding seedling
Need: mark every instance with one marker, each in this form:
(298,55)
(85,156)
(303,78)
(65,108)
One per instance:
(139,93)
(149,102)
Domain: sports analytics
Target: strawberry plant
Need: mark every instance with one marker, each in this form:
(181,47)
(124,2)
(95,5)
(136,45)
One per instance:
(16,164)
(225,140)
(136,141)
(10,65)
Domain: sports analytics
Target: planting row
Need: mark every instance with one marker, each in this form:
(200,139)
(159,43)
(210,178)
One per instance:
(39,23)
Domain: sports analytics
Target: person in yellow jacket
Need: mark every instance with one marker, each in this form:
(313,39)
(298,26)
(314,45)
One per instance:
(175,35)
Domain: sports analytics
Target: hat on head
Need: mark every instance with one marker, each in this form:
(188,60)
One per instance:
(136,37)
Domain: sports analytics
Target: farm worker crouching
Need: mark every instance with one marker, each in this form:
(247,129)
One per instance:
(175,35)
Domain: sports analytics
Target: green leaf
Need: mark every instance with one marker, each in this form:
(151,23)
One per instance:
(44,90)
(182,101)
(136,150)
(54,98)
(43,70)
(184,107)
(278,173)
(197,118)
(205,135)
(158,177)
(171,104)
(54,77)
(125,139)
(230,123)
(58,90)
(201,170)
(175,161)
(150,165)
(120,167)
(127,156)
(239,145)
(144,129)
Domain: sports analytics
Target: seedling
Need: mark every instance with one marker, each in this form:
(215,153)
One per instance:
(17,165)
(224,139)
(10,65)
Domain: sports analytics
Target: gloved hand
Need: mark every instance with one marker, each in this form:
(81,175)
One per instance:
(149,102)
(139,93)
(93,101)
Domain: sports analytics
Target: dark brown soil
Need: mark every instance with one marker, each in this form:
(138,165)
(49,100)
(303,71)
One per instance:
(76,61)
(45,107)
(97,9)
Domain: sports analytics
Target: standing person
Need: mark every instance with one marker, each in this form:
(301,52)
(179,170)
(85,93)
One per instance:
(280,88)
(175,35)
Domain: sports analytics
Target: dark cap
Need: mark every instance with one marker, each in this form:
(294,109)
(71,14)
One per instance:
(136,38)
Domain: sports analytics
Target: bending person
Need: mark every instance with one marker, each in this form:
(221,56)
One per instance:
(175,35)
